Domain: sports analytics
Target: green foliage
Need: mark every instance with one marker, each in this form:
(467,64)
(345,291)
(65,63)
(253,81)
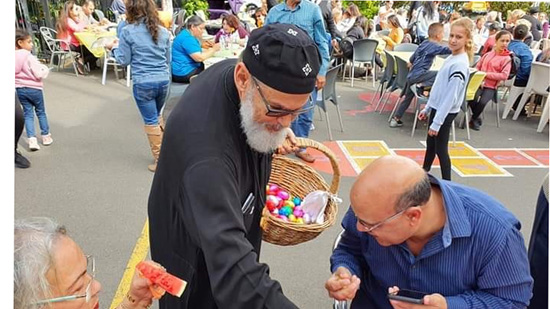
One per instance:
(191,6)
(369,9)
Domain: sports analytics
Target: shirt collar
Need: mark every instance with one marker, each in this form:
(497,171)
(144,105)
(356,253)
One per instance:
(457,223)
(286,8)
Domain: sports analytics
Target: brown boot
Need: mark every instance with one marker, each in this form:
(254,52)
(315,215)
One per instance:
(161,123)
(154,134)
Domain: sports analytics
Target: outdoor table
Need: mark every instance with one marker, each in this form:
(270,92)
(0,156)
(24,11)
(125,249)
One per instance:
(223,54)
(91,38)
(406,55)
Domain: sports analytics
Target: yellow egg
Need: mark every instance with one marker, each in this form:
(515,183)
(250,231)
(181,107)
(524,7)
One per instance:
(292,218)
(300,221)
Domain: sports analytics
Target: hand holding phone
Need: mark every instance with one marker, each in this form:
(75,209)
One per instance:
(405,299)
(409,296)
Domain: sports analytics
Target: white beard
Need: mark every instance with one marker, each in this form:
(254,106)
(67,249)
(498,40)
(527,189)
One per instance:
(257,135)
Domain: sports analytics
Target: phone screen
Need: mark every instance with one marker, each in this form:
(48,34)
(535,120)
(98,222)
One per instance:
(409,296)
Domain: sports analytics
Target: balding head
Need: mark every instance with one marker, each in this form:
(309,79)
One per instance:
(391,183)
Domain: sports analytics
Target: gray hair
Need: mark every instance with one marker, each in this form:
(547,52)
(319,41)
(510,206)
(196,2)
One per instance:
(193,21)
(33,256)
(418,195)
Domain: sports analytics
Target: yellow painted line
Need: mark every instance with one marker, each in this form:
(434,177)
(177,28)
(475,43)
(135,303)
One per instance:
(140,252)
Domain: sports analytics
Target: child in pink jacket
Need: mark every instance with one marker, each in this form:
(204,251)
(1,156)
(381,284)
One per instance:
(29,73)
(497,65)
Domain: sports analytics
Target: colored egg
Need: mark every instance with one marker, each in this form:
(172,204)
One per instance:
(292,218)
(275,211)
(300,221)
(298,213)
(266,188)
(297,201)
(282,218)
(289,204)
(285,211)
(283,195)
(274,188)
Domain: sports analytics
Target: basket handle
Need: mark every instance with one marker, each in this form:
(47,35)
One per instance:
(309,143)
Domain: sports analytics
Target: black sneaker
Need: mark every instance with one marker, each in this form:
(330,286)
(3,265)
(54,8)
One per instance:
(20,161)
(474,125)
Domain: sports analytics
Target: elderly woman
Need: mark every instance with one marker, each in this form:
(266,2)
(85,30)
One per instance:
(51,271)
(187,54)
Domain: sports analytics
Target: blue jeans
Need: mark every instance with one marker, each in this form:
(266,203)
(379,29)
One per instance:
(150,99)
(301,125)
(33,101)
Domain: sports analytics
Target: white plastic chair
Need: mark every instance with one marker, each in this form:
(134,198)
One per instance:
(544,116)
(515,92)
(539,82)
(108,60)
(54,45)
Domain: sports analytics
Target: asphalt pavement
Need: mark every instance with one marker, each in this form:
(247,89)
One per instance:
(94,177)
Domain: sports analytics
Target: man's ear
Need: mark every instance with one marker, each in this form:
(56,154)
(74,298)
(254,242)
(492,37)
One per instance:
(242,78)
(414,214)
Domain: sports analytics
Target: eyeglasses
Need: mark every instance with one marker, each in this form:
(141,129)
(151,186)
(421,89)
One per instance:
(90,270)
(370,227)
(274,112)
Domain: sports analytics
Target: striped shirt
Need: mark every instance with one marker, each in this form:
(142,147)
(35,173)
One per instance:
(478,259)
(306,15)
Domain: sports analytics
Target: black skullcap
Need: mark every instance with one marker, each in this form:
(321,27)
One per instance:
(283,57)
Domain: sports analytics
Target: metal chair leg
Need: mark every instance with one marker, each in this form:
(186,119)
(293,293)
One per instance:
(415,121)
(352,72)
(328,126)
(340,118)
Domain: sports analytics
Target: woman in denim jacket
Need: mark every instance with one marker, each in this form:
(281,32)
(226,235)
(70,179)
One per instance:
(145,45)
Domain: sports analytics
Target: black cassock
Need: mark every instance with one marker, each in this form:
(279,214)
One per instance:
(205,173)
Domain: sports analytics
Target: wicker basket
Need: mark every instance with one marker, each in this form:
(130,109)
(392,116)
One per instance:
(299,179)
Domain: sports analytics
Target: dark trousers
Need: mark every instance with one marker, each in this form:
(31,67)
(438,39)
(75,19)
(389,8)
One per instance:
(538,254)
(439,145)
(427,79)
(378,60)
(86,55)
(186,78)
(19,120)
(483,96)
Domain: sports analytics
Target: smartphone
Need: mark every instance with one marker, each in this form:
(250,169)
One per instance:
(413,297)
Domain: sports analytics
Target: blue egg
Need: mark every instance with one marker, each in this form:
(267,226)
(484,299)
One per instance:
(297,201)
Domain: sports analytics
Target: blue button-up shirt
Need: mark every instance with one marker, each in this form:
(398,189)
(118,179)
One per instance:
(478,259)
(307,16)
(149,61)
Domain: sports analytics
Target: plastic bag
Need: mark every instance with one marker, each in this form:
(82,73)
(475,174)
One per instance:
(314,205)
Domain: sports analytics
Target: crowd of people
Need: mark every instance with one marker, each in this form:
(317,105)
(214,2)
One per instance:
(413,235)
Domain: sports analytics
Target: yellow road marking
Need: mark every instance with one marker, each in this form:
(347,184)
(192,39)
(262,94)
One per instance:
(140,252)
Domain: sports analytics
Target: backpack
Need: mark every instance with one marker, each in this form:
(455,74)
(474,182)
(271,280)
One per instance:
(346,46)
(516,62)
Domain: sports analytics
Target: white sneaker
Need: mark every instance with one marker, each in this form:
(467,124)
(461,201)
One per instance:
(47,140)
(33,144)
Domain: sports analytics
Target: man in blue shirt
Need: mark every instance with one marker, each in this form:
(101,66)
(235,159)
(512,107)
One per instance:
(456,244)
(522,51)
(307,16)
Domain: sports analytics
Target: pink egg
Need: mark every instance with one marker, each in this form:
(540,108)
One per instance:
(274,188)
(298,213)
(282,218)
(283,195)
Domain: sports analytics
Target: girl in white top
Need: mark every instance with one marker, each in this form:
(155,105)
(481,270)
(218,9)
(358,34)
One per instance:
(447,95)
(426,15)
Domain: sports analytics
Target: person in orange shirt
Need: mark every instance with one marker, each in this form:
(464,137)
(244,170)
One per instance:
(396,33)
